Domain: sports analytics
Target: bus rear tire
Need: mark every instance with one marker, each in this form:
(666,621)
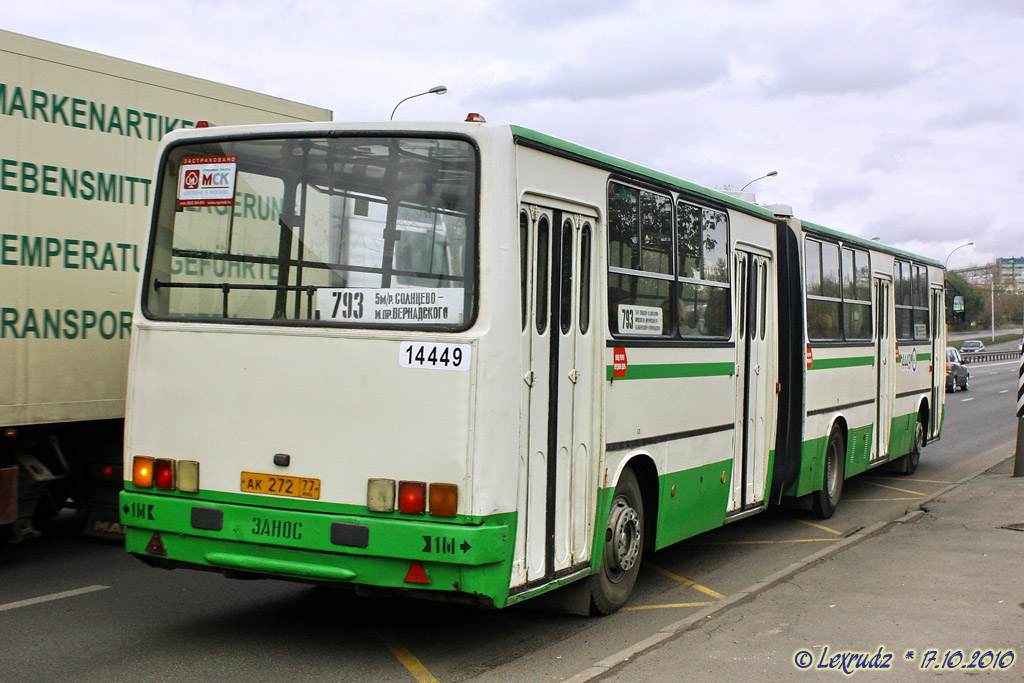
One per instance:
(909,462)
(623,548)
(826,500)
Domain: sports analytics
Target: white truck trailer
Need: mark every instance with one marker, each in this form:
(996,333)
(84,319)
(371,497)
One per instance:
(80,133)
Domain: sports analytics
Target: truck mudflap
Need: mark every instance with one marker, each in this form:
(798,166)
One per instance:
(8,495)
(320,546)
(104,521)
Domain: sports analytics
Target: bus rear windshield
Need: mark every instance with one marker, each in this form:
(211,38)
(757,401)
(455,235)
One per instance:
(351,231)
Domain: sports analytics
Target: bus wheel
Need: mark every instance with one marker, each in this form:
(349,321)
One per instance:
(826,500)
(623,548)
(909,462)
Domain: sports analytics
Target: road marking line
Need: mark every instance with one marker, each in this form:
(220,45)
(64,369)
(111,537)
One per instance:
(51,597)
(1005,391)
(893,488)
(678,604)
(915,479)
(788,540)
(684,581)
(820,526)
(965,400)
(875,500)
(407,658)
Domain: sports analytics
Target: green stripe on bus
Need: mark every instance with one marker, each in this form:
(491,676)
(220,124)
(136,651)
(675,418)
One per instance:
(674,371)
(832,363)
(601,158)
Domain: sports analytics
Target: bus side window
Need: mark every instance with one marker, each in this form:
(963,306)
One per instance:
(524,263)
(565,299)
(585,279)
(543,275)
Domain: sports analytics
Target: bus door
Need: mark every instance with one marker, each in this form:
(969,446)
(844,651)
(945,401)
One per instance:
(558,392)
(938,362)
(755,335)
(885,367)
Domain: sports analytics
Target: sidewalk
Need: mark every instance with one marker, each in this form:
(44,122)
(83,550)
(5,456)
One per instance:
(946,580)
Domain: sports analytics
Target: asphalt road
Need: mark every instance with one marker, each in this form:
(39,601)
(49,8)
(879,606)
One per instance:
(80,610)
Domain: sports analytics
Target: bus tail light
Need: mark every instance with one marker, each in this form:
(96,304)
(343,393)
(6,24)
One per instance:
(142,471)
(412,497)
(163,474)
(380,495)
(444,500)
(188,476)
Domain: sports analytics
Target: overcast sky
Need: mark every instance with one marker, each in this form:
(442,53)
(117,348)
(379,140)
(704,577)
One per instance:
(899,119)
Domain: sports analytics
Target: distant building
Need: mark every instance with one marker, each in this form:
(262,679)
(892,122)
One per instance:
(1009,274)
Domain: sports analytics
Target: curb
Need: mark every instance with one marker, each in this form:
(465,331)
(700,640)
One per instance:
(677,628)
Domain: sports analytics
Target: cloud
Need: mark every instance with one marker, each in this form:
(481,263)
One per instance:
(893,151)
(846,68)
(977,113)
(829,195)
(622,64)
(548,14)
(608,79)
(930,231)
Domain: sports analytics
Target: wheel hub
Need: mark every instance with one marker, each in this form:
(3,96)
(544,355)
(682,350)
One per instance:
(624,546)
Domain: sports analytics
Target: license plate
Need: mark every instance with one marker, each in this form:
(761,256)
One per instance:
(280,485)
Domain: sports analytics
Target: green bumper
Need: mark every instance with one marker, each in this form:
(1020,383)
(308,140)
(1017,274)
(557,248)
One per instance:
(319,546)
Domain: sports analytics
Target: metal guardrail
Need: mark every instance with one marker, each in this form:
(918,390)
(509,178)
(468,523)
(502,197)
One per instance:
(985,357)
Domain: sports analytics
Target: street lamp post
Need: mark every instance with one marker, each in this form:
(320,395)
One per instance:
(946,263)
(436,90)
(992,301)
(769,174)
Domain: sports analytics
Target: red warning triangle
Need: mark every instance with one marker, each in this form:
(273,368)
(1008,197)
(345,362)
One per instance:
(417,574)
(156,545)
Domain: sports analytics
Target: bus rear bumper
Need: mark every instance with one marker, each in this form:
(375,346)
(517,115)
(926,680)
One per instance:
(237,539)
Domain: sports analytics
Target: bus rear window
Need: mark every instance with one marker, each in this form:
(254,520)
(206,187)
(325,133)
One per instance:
(369,232)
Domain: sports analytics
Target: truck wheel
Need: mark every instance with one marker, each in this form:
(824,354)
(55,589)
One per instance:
(826,500)
(623,548)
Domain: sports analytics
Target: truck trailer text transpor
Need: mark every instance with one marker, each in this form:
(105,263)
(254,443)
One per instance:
(80,134)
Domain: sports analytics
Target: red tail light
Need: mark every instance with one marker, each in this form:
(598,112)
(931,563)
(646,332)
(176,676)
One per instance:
(412,497)
(163,474)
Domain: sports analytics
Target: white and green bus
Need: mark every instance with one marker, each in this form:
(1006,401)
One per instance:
(475,362)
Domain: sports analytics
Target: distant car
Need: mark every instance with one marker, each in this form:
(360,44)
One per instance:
(972,346)
(957,374)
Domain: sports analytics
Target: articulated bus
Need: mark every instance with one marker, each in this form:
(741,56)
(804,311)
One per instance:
(474,362)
